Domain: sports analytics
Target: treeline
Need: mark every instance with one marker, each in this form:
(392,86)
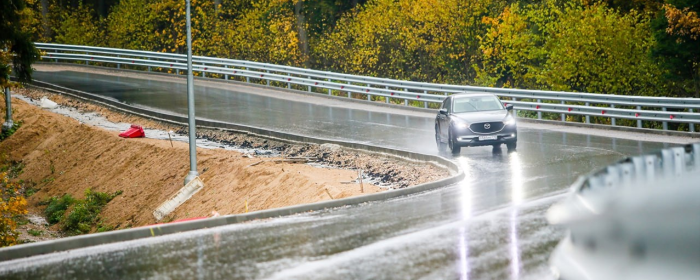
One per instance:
(634,47)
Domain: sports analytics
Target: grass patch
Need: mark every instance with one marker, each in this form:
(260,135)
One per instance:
(12,168)
(78,216)
(35,232)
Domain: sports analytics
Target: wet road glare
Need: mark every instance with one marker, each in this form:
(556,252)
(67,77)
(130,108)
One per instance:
(489,226)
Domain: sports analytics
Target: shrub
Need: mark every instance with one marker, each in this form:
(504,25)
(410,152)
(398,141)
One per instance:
(57,208)
(12,205)
(82,215)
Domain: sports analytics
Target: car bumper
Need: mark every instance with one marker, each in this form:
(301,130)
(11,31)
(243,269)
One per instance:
(467,138)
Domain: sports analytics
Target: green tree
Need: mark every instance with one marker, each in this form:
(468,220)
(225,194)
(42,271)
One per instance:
(678,52)
(77,26)
(16,46)
(130,25)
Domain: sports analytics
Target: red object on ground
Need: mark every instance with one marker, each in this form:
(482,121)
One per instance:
(135,131)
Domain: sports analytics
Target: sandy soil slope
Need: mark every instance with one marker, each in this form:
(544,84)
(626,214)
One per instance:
(62,156)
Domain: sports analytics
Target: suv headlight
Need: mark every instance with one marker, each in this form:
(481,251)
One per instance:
(510,120)
(461,125)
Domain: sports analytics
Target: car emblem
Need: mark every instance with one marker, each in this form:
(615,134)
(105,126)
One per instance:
(487,126)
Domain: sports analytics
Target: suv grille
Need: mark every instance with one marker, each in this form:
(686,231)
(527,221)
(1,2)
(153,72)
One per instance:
(487,127)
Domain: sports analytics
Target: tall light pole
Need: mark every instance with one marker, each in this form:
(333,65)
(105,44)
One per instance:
(8,102)
(190,103)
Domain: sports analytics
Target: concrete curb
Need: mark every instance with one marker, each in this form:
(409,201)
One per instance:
(76,242)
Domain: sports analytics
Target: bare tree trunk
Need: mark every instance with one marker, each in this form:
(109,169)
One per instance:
(101,9)
(46,34)
(301,31)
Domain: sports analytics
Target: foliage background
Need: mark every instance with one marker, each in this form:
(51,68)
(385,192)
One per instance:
(636,47)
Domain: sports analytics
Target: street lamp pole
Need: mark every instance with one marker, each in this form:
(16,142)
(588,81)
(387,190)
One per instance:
(8,117)
(190,103)
(8,102)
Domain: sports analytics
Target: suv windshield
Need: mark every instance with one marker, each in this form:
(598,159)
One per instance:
(476,104)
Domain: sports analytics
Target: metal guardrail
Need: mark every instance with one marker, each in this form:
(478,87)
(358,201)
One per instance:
(644,169)
(637,108)
(632,218)
(587,197)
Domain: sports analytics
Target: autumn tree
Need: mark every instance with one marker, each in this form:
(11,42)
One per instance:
(574,47)
(435,41)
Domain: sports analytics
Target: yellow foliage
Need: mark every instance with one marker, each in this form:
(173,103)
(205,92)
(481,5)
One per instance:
(12,204)
(682,22)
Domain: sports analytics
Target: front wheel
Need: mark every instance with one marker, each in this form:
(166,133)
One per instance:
(456,149)
(442,147)
(512,145)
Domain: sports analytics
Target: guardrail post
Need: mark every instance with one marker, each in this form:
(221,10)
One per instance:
(247,79)
(386,98)
(639,122)
(665,124)
(289,85)
(588,118)
(563,116)
(539,113)
(691,126)
(309,77)
(149,67)
(369,97)
(268,79)
(329,90)
(349,93)
(515,112)
(119,66)
(425,104)
(204,74)
(612,120)
(405,101)
(226,75)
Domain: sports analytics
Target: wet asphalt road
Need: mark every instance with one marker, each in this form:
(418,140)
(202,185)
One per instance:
(489,226)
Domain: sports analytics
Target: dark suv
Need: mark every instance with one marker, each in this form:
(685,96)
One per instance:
(474,119)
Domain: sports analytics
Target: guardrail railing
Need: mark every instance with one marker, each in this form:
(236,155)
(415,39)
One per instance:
(639,109)
(631,218)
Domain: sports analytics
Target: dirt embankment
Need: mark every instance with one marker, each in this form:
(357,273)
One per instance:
(62,156)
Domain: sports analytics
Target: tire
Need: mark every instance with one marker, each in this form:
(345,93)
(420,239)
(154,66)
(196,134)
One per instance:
(512,146)
(442,147)
(454,147)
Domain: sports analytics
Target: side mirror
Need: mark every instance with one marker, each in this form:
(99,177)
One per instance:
(509,107)
(443,111)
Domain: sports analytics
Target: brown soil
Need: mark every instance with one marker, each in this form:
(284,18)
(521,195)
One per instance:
(62,156)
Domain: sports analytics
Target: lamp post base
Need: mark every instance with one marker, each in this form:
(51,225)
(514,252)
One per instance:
(7,126)
(191,176)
